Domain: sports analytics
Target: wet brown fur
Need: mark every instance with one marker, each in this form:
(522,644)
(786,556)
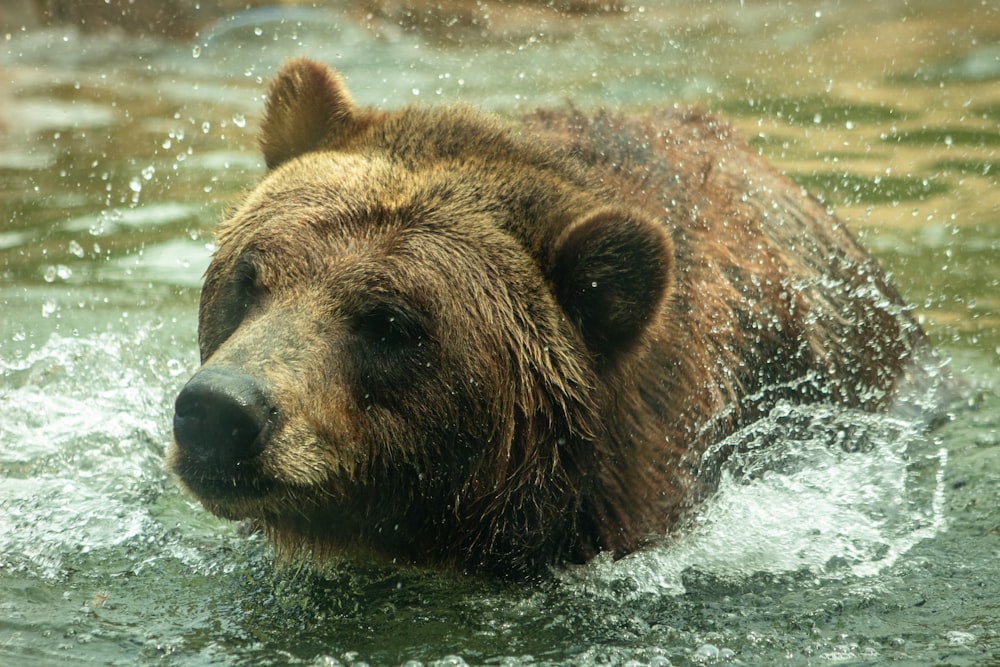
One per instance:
(600,300)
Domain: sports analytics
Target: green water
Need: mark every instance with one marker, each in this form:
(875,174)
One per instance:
(117,157)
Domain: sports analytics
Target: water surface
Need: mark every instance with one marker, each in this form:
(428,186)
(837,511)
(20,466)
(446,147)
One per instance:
(856,539)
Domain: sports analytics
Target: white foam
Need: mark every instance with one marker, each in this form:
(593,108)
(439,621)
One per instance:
(83,427)
(819,489)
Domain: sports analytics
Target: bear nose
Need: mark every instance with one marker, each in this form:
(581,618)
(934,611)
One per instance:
(222,417)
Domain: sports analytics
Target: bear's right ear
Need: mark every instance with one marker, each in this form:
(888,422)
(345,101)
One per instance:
(307,107)
(613,271)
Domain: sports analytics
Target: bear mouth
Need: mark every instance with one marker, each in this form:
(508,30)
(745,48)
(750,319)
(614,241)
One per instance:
(230,487)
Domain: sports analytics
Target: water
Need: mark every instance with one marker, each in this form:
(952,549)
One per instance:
(848,539)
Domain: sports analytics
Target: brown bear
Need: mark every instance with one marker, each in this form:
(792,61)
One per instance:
(436,339)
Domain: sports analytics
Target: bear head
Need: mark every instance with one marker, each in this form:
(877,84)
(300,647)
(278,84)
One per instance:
(407,333)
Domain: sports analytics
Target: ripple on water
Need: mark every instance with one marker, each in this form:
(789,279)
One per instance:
(179,262)
(139,217)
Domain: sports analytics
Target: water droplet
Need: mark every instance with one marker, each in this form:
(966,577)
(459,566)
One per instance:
(49,276)
(706,653)
(258,31)
(135,185)
(205,127)
(196,51)
(76,249)
(148,172)
(239,120)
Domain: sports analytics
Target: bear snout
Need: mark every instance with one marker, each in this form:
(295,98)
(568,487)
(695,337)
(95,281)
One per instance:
(223,417)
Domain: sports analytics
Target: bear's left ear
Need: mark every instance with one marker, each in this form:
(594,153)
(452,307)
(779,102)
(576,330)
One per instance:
(612,271)
(308,106)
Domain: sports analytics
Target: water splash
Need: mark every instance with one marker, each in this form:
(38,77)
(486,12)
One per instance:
(82,436)
(816,489)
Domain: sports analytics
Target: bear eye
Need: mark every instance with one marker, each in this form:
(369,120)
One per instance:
(225,305)
(241,294)
(392,343)
(391,326)
(245,289)
(245,278)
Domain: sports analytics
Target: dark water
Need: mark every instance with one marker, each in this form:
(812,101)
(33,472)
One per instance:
(118,155)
